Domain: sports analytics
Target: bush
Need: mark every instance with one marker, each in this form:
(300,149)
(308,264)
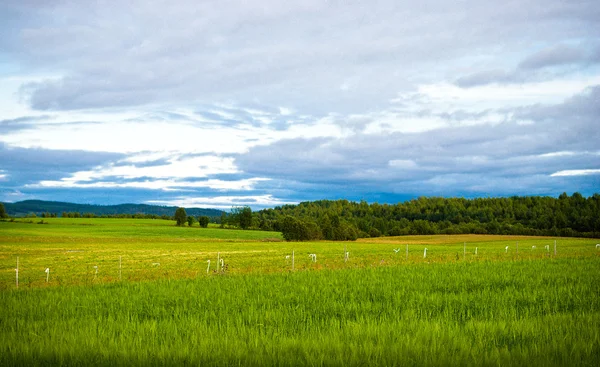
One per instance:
(203,221)
(374,232)
(294,229)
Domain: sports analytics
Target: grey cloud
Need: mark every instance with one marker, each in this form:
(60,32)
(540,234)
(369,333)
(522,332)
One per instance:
(583,108)
(21,123)
(532,67)
(497,157)
(25,166)
(483,78)
(322,56)
(554,56)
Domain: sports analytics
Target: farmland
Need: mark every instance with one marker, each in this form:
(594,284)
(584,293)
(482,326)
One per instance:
(380,307)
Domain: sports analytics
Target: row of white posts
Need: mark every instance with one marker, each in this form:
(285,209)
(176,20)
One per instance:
(221,263)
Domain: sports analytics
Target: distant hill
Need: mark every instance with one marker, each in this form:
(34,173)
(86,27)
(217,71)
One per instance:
(22,208)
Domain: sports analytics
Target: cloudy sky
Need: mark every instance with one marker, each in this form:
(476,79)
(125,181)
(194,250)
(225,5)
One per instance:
(261,103)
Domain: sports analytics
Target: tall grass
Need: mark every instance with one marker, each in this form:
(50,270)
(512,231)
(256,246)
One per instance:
(533,312)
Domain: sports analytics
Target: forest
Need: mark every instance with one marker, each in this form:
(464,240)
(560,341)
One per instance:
(567,216)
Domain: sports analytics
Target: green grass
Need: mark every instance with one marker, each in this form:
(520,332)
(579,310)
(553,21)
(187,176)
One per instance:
(71,248)
(107,228)
(380,308)
(494,313)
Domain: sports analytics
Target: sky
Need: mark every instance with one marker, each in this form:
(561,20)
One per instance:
(263,103)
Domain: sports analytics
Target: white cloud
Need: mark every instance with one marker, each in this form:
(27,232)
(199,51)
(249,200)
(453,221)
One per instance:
(567,153)
(202,166)
(449,97)
(284,111)
(131,137)
(402,163)
(165,185)
(223,202)
(576,172)
(120,132)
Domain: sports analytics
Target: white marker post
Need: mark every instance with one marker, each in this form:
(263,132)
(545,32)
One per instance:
(96,273)
(208,267)
(17,270)
(554,247)
(47,274)
(346,256)
(218,259)
(222,265)
(476,250)
(464,250)
(425,253)
(506,249)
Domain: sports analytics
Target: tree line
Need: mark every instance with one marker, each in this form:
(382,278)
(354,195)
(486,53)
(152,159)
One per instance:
(181,219)
(341,220)
(572,216)
(27,207)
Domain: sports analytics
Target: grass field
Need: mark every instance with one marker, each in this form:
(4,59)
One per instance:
(379,308)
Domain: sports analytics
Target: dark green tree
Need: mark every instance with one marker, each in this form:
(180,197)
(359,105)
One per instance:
(190,221)
(203,221)
(242,217)
(180,216)
(3,211)
(294,229)
(246,217)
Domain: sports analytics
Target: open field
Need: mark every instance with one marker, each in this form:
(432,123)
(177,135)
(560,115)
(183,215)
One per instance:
(157,249)
(379,308)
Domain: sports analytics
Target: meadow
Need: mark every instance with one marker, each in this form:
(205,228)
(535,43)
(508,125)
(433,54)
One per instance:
(380,307)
